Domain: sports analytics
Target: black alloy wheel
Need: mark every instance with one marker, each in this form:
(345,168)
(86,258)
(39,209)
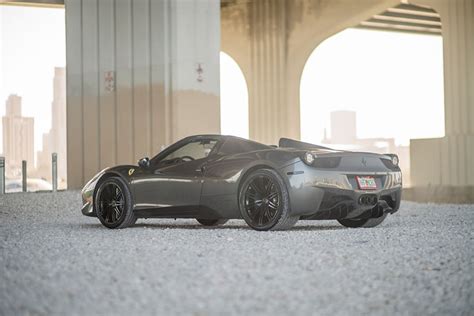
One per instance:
(113,204)
(264,201)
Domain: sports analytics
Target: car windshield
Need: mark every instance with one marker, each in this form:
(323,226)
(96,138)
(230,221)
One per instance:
(191,151)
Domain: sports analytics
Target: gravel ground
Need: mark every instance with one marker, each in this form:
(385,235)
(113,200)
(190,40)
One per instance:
(56,261)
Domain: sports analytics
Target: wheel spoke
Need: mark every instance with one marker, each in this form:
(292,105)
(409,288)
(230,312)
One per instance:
(272,195)
(251,195)
(255,187)
(262,214)
(253,204)
(109,214)
(117,212)
(263,186)
(272,205)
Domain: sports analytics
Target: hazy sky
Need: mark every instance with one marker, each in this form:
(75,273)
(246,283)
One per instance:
(234,99)
(393,80)
(32,43)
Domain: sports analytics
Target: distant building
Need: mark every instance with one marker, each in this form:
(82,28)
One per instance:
(344,136)
(55,140)
(18,137)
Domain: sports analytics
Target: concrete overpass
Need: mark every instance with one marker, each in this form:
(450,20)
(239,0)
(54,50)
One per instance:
(141,74)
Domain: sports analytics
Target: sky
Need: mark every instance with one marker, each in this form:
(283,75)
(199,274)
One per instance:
(234,98)
(32,43)
(393,80)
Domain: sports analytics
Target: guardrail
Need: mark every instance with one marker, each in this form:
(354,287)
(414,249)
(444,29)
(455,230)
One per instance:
(54,179)
(24,174)
(2,175)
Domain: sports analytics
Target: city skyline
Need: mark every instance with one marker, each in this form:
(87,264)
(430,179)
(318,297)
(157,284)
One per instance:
(343,126)
(33,44)
(18,135)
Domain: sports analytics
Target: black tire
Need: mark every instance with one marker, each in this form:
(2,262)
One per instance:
(113,204)
(365,222)
(264,201)
(211,222)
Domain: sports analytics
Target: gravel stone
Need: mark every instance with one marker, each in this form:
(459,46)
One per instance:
(55,261)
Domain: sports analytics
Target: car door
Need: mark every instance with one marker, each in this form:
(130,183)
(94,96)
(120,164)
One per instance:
(173,183)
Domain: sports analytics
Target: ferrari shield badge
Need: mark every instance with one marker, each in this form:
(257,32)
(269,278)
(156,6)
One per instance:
(131,171)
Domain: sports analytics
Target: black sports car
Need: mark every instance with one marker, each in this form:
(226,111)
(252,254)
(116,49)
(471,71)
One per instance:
(214,178)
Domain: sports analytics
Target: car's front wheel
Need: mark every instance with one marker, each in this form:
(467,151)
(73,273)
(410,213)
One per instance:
(113,204)
(264,201)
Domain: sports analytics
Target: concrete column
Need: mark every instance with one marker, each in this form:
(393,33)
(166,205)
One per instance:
(442,169)
(140,74)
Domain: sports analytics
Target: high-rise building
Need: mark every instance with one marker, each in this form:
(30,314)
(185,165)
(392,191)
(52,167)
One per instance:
(55,140)
(18,137)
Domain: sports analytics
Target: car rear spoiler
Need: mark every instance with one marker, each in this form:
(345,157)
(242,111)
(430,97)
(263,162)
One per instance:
(291,143)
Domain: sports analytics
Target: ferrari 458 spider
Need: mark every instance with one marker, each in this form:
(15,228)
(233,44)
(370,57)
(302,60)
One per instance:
(213,178)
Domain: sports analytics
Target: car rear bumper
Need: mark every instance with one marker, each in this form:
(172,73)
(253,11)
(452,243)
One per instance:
(330,194)
(339,204)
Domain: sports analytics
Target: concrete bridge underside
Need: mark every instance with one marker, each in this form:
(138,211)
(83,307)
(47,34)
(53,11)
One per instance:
(272,40)
(162,59)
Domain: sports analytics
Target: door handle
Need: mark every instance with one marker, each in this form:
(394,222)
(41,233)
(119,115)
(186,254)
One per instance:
(157,172)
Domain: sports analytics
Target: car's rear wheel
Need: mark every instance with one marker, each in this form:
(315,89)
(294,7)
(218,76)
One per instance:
(113,204)
(211,222)
(264,201)
(365,222)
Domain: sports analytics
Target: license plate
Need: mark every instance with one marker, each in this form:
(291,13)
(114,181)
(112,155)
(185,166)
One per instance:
(366,183)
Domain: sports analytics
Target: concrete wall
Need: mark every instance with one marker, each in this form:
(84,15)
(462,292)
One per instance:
(443,169)
(271,41)
(140,75)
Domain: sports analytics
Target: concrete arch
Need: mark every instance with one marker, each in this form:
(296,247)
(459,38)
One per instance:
(374,58)
(272,39)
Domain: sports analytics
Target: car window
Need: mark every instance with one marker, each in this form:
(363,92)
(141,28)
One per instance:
(238,145)
(191,151)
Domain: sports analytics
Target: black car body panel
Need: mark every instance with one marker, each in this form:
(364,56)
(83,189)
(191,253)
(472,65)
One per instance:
(208,187)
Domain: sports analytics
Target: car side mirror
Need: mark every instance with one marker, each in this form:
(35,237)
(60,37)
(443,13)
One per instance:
(144,163)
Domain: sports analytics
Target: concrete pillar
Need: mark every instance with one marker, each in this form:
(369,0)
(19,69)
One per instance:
(442,169)
(140,74)
(267,84)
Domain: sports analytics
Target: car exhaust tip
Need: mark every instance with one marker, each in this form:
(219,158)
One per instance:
(368,199)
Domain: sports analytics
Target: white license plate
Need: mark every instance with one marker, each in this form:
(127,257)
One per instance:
(366,183)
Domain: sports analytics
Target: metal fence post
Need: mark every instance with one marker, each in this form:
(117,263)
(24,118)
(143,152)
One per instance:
(54,158)
(23,176)
(2,175)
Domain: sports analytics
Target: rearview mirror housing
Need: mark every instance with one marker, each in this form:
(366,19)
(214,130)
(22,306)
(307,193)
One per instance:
(144,162)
